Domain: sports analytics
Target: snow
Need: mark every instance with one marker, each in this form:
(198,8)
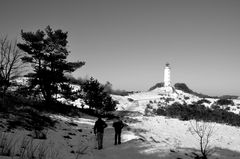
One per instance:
(128,136)
(173,133)
(138,101)
(160,97)
(145,136)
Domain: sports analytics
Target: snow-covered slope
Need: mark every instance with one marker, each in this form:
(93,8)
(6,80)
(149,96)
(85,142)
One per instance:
(167,133)
(151,137)
(145,137)
(159,97)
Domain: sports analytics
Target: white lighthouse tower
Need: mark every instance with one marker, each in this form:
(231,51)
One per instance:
(168,88)
(167,75)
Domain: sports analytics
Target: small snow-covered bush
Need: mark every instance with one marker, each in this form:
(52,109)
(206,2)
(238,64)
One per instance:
(224,102)
(148,110)
(167,100)
(160,111)
(227,108)
(130,100)
(186,98)
(203,101)
(215,107)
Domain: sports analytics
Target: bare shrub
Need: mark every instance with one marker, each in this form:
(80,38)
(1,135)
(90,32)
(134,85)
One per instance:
(31,150)
(7,144)
(23,147)
(39,134)
(42,151)
(28,148)
(204,133)
(11,66)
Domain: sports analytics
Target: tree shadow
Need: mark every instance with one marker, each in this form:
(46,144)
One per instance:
(216,153)
(145,150)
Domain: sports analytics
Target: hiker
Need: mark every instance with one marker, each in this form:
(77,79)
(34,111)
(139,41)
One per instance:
(118,125)
(99,130)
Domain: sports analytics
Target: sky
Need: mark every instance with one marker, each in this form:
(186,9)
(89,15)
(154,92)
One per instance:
(128,42)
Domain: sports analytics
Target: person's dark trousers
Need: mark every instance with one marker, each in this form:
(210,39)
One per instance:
(100,140)
(117,138)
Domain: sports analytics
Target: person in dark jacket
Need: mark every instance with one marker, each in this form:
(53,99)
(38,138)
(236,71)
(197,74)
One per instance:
(118,125)
(99,127)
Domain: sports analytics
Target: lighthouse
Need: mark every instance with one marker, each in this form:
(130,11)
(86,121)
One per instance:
(167,75)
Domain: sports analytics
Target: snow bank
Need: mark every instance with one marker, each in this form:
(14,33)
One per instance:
(167,133)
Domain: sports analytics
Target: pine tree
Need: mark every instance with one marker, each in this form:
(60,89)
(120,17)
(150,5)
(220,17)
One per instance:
(94,96)
(47,53)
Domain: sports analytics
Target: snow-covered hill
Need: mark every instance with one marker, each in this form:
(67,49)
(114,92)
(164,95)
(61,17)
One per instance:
(159,97)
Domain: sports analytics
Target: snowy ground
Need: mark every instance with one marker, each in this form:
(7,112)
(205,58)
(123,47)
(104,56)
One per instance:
(145,137)
(151,137)
(171,138)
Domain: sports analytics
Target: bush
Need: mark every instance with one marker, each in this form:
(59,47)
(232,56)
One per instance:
(228,108)
(186,98)
(130,100)
(158,85)
(214,107)
(160,111)
(203,101)
(29,119)
(224,102)
(228,97)
(109,104)
(199,112)
(159,104)
(108,89)
(147,111)
(39,134)
(183,87)
(167,100)
(16,101)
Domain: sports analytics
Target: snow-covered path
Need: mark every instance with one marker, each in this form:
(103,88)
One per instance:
(129,149)
(145,138)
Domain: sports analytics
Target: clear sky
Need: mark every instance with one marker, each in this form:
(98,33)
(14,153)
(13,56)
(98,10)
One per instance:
(128,42)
